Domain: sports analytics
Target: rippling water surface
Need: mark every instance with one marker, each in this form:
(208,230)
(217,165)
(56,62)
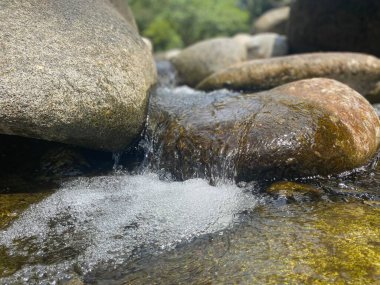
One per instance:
(121,228)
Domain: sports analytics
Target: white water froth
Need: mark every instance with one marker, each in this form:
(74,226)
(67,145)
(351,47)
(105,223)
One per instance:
(105,219)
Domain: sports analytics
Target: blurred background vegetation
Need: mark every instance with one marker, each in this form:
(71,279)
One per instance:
(177,23)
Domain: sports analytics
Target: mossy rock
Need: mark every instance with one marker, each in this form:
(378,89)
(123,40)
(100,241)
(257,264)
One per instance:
(305,128)
(290,189)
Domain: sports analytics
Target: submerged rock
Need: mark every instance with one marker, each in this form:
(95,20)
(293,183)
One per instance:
(339,25)
(264,45)
(74,72)
(273,21)
(359,71)
(202,59)
(305,128)
(291,190)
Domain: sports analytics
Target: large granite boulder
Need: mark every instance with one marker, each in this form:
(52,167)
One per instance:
(304,128)
(74,72)
(202,59)
(338,25)
(273,21)
(361,72)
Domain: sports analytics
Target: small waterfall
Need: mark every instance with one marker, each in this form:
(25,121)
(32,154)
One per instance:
(167,105)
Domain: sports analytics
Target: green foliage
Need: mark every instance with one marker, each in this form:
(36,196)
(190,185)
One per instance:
(178,23)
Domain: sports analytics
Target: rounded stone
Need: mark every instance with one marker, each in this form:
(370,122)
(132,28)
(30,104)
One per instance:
(360,71)
(301,129)
(74,72)
(202,59)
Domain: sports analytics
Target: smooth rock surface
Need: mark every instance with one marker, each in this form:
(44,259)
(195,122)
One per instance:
(273,21)
(263,45)
(361,72)
(305,128)
(339,25)
(202,59)
(74,72)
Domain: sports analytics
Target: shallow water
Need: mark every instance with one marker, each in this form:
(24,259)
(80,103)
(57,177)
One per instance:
(145,228)
(106,220)
(138,229)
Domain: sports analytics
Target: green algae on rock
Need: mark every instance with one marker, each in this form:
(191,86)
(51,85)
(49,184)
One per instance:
(12,205)
(333,243)
(69,77)
(305,128)
(359,71)
(290,189)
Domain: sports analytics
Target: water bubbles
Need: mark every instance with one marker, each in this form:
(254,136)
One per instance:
(108,218)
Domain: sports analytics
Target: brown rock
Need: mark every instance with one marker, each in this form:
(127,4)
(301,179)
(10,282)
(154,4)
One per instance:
(304,128)
(359,71)
(293,189)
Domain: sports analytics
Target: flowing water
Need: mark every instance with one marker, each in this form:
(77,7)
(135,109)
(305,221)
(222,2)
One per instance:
(143,227)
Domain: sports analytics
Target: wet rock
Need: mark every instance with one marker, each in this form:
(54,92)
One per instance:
(264,45)
(273,21)
(361,72)
(339,25)
(305,128)
(202,59)
(74,72)
(291,190)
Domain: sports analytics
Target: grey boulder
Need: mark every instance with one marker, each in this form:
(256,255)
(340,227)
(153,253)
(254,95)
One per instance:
(74,72)
(200,60)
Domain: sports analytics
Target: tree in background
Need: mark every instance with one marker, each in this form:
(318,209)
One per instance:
(178,23)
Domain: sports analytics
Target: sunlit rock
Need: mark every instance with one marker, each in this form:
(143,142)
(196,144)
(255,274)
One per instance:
(359,71)
(74,72)
(200,60)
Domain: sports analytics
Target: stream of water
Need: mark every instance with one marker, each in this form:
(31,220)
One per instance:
(123,228)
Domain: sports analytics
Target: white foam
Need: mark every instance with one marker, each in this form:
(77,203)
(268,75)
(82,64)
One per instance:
(106,218)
